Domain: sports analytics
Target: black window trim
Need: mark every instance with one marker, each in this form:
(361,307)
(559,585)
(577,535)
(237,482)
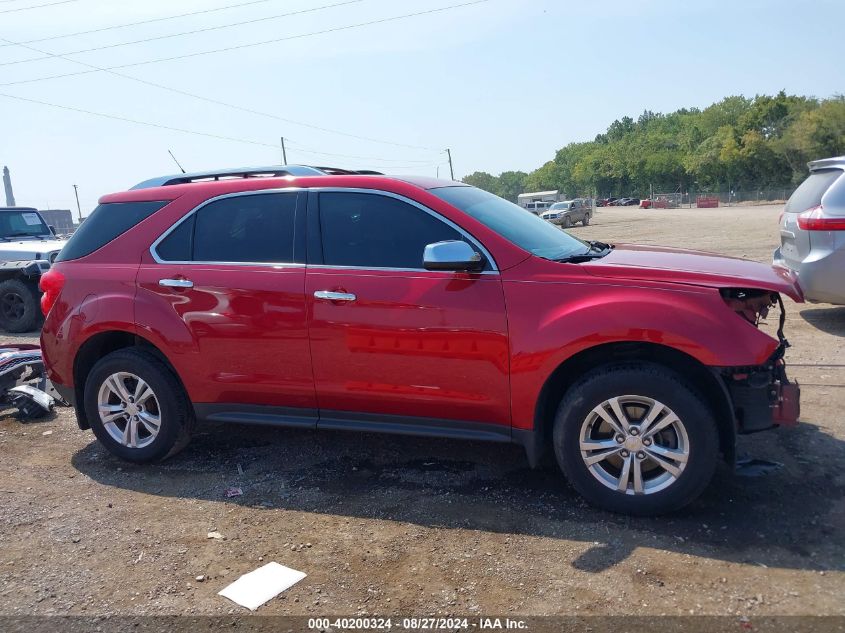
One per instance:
(297,249)
(494,269)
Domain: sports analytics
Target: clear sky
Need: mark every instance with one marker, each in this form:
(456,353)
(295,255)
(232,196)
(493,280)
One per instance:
(503,83)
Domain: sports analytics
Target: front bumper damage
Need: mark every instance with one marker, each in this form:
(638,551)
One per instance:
(762,396)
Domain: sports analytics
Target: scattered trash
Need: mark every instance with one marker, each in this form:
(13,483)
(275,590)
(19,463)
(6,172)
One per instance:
(234,492)
(200,578)
(23,383)
(216,535)
(751,467)
(47,433)
(257,587)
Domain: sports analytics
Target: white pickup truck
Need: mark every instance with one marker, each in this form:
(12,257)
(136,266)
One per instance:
(27,248)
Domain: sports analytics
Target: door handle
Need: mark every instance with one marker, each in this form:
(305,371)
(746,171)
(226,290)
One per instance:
(176,283)
(328,295)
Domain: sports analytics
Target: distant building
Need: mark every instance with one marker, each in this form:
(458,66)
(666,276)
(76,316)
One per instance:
(60,219)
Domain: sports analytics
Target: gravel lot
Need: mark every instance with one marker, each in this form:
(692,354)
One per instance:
(394,525)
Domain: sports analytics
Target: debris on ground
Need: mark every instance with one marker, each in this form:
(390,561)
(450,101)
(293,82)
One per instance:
(257,587)
(752,467)
(233,492)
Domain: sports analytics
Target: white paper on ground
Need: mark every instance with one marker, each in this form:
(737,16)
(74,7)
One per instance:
(257,587)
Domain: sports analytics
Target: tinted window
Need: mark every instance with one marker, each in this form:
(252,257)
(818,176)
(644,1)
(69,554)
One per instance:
(250,228)
(527,231)
(810,193)
(23,223)
(105,223)
(178,245)
(374,231)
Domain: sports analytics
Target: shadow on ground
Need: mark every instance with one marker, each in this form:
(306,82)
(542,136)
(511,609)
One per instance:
(829,320)
(787,518)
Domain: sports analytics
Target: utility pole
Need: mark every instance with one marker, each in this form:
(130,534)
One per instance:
(78,208)
(284,153)
(451,171)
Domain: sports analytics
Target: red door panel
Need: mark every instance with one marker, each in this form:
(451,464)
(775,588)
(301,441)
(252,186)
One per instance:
(422,344)
(241,331)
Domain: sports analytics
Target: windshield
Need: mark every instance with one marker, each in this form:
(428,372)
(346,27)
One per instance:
(524,229)
(560,205)
(22,223)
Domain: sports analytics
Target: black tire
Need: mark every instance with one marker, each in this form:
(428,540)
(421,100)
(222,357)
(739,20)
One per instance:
(19,306)
(652,382)
(587,220)
(174,409)
(567,222)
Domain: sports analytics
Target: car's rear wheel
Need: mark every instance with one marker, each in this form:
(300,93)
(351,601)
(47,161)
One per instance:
(587,220)
(19,310)
(635,438)
(136,406)
(567,222)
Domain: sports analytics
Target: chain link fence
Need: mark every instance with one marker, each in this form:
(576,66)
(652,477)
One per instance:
(726,197)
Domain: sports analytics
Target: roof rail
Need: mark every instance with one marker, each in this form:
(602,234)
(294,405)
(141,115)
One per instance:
(836,161)
(339,171)
(274,171)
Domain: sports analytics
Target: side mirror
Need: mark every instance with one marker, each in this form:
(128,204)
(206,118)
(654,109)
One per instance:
(52,229)
(452,255)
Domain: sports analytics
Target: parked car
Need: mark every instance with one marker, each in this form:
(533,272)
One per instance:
(812,232)
(568,213)
(625,202)
(27,246)
(412,306)
(605,202)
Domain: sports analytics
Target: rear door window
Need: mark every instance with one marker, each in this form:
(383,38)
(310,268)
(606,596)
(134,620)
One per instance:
(104,224)
(256,228)
(811,191)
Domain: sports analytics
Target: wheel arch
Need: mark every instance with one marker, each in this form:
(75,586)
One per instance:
(699,376)
(98,346)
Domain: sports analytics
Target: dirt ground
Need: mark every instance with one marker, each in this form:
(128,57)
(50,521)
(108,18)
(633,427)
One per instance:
(394,525)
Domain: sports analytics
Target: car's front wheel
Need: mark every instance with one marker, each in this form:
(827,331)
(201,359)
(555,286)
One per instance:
(136,406)
(635,438)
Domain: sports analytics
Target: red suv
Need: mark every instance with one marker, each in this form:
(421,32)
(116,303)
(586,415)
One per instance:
(329,299)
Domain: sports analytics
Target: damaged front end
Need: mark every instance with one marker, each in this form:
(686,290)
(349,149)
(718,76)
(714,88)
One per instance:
(762,395)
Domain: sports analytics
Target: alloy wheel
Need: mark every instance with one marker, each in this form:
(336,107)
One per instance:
(129,410)
(634,444)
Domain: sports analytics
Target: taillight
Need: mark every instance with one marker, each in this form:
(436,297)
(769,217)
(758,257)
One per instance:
(814,220)
(51,285)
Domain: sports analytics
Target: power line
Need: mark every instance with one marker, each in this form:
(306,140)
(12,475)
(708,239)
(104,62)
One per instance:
(175,129)
(136,121)
(111,70)
(149,21)
(183,33)
(37,6)
(200,97)
(252,44)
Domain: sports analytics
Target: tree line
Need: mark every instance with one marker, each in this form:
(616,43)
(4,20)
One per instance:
(736,144)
